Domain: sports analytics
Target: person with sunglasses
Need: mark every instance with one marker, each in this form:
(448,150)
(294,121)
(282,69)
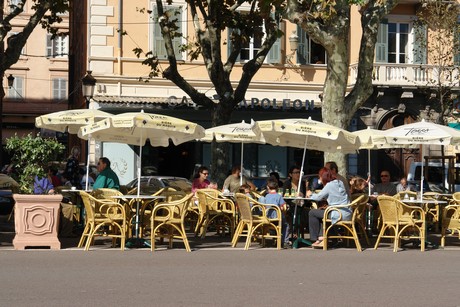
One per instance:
(385,187)
(200,179)
(107,178)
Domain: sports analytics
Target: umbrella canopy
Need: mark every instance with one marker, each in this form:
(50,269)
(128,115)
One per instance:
(373,139)
(134,128)
(71,121)
(420,133)
(236,133)
(308,134)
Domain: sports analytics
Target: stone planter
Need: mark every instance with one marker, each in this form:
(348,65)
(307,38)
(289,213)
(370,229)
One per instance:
(36,220)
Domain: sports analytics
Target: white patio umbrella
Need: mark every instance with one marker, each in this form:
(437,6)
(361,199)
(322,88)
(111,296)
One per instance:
(134,128)
(236,133)
(371,139)
(308,134)
(70,121)
(420,133)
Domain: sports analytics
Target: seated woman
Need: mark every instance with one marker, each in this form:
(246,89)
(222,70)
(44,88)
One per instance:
(358,186)
(335,193)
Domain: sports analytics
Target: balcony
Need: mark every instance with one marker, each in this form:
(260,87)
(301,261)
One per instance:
(410,75)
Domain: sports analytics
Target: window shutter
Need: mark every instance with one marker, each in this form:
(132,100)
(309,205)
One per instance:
(158,43)
(49,46)
(229,43)
(303,50)
(16,91)
(381,47)
(420,40)
(274,55)
(177,41)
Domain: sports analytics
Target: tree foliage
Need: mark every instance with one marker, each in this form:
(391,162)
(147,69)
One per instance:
(328,24)
(30,156)
(438,32)
(45,13)
(211,19)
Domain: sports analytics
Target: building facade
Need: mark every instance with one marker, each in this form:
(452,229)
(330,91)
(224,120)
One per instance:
(290,84)
(41,83)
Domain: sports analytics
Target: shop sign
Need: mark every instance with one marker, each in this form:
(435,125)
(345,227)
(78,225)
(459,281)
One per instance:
(264,103)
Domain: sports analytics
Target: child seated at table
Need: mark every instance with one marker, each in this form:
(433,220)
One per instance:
(272,197)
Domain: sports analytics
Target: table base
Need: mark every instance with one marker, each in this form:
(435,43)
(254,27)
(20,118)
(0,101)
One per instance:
(138,243)
(298,241)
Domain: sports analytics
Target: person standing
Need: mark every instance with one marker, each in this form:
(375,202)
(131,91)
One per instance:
(72,168)
(107,178)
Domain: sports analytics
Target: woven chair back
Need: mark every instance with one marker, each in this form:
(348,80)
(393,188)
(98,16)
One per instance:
(388,208)
(89,205)
(105,193)
(456,198)
(244,207)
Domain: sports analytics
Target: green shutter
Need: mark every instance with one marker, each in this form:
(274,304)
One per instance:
(159,48)
(420,40)
(303,50)
(381,47)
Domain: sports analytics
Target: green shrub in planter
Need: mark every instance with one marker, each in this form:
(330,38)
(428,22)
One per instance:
(30,156)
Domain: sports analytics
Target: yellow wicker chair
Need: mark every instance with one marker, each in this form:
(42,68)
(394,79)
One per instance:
(400,222)
(432,211)
(358,206)
(451,219)
(214,209)
(106,193)
(402,194)
(251,224)
(100,213)
(168,221)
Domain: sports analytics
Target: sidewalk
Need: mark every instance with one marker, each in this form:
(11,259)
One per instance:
(216,242)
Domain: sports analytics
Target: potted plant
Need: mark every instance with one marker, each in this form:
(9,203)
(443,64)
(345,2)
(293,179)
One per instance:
(36,217)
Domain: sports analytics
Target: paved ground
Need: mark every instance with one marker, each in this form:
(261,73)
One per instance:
(215,274)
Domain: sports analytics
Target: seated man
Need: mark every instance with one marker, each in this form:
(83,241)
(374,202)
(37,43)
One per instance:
(385,187)
(107,178)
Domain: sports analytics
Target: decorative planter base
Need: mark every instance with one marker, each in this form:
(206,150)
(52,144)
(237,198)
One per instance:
(36,220)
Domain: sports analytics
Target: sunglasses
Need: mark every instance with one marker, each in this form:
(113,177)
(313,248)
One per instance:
(206,174)
(297,172)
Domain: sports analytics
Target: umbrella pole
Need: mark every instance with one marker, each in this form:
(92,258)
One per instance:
(301,166)
(139,161)
(422,175)
(87,171)
(369,170)
(241,167)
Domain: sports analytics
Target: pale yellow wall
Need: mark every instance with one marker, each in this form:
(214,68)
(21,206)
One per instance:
(34,67)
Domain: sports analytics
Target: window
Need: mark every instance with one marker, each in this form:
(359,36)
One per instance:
(59,88)
(57,47)
(250,48)
(308,51)
(17,90)
(397,43)
(159,48)
(13,3)
(10,35)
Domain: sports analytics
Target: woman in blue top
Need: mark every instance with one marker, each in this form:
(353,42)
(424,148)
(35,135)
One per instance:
(336,194)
